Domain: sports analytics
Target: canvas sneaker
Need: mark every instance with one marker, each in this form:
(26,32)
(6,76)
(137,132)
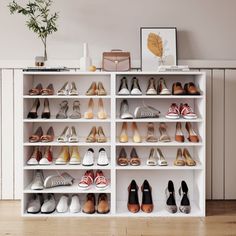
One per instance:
(102,158)
(101,182)
(187,112)
(87,180)
(49,205)
(58,180)
(173,112)
(88,159)
(37,183)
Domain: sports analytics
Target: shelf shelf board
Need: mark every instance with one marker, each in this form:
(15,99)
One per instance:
(53,120)
(67,144)
(160,96)
(65,97)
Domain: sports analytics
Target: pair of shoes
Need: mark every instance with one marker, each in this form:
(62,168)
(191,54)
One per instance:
(68,90)
(62,114)
(144,111)
(37,204)
(39,90)
(123,160)
(38,136)
(189,89)
(133,200)
(184,158)
(160,88)
(184,202)
(33,113)
(89,157)
(103,206)
(151,137)
(89,114)
(65,204)
(38,159)
(96,135)
(124,133)
(68,156)
(67,136)
(184,110)
(135,88)
(192,135)
(98,180)
(156,158)
(96,89)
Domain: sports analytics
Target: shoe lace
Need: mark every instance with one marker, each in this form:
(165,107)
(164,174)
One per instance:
(100,179)
(187,108)
(87,179)
(173,108)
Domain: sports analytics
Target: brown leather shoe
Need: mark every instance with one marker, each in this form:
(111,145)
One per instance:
(89,205)
(134,158)
(103,204)
(193,137)
(191,89)
(177,89)
(179,136)
(147,203)
(133,202)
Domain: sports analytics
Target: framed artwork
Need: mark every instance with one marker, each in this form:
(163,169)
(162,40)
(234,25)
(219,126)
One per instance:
(158,46)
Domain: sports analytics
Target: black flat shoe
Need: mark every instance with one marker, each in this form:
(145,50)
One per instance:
(147,203)
(133,202)
(170,196)
(46,110)
(33,112)
(184,203)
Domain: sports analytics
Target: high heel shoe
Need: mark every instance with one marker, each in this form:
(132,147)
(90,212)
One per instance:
(163,131)
(101,110)
(33,112)
(92,135)
(47,91)
(47,157)
(151,138)
(136,136)
(101,138)
(184,203)
(34,138)
(151,89)
(124,135)
(73,90)
(122,159)
(179,136)
(193,137)
(133,201)
(63,138)
(76,110)
(135,88)
(101,90)
(62,114)
(147,203)
(123,89)
(73,137)
(64,90)
(36,90)
(170,198)
(49,137)
(92,89)
(63,157)
(75,156)
(188,159)
(35,157)
(152,159)
(46,110)
(179,158)
(134,158)
(161,161)
(89,113)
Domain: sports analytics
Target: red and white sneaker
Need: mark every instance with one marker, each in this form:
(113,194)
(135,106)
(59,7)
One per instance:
(100,180)
(187,112)
(173,112)
(87,180)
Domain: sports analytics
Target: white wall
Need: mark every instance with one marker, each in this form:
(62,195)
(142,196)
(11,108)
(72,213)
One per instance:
(206,29)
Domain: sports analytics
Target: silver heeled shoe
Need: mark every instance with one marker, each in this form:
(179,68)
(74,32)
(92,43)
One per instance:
(62,114)
(63,138)
(76,110)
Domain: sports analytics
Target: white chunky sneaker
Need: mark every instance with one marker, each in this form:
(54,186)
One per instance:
(58,180)
(62,205)
(146,112)
(49,204)
(37,183)
(88,159)
(34,204)
(75,206)
(102,158)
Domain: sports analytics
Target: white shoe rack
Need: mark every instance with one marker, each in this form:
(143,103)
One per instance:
(120,177)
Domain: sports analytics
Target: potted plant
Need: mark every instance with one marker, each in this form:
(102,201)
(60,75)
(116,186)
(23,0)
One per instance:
(40,19)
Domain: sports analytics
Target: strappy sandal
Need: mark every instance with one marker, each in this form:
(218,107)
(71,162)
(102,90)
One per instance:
(63,138)
(161,161)
(179,158)
(134,158)
(101,90)
(188,159)
(49,137)
(151,133)
(73,138)
(101,138)
(152,159)
(36,90)
(62,114)
(76,110)
(122,159)
(92,135)
(47,91)
(163,131)
(34,138)
(64,90)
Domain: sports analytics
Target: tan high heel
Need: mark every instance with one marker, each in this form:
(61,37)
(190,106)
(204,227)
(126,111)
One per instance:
(92,89)
(101,90)
(179,136)
(101,110)
(163,131)
(193,137)
(101,138)
(123,134)
(188,159)
(136,136)
(92,135)
(179,158)
(89,113)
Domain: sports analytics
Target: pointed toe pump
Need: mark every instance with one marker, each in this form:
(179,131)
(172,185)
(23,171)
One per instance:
(101,110)
(89,113)
(133,201)
(76,110)
(33,114)
(101,90)
(73,90)
(136,136)
(193,137)
(147,203)
(46,110)
(49,136)
(36,90)
(62,114)
(124,134)
(36,136)
(64,90)
(184,203)
(122,159)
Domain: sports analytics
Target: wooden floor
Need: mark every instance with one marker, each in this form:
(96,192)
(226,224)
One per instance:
(220,220)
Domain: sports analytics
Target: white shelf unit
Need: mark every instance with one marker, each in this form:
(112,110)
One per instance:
(120,177)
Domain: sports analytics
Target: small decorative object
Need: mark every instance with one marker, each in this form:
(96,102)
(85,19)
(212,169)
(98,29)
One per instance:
(39,61)
(158,47)
(116,60)
(85,61)
(92,68)
(40,20)
(178,68)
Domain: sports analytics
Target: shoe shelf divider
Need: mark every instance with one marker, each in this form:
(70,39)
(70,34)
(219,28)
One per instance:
(120,177)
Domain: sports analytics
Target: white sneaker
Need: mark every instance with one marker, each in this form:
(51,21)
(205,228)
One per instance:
(34,204)
(49,204)
(124,110)
(34,159)
(58,180)
(102,158)
(88,159)
(75,206)
(62,205)
(37,183)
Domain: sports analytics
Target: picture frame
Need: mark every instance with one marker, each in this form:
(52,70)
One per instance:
(158,46)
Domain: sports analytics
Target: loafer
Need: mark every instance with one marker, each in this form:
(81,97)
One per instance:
(49,204)
(35,203)
(62,205)
(75,206)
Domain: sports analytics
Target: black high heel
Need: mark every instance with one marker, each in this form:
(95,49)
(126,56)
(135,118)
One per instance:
(133,202)
(46,110)
(33,112)
(184,203)
(147,203)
